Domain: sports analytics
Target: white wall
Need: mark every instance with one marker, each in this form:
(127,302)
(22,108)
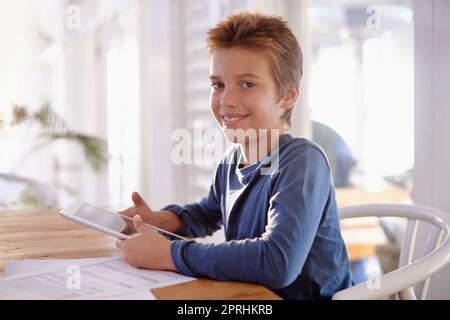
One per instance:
(432,116)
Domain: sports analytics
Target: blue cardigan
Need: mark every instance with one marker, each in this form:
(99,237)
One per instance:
(281,229)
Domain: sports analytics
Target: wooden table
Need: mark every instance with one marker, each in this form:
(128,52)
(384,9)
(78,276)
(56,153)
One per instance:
(41,234)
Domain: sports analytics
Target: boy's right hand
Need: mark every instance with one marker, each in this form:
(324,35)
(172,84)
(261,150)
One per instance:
(139,208)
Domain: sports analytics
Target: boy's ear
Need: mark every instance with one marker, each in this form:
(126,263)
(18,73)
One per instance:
(291,96)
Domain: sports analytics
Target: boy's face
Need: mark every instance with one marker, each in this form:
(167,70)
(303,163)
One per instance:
(244,94)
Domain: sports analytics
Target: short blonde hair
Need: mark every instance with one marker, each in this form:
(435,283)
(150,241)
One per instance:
(269,34)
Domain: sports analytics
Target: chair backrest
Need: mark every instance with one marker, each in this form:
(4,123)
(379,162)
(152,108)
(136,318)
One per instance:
(36,194)
(409,273)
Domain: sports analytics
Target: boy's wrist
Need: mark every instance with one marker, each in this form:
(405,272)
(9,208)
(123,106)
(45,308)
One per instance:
(156,219)
(168,263)
(167,220)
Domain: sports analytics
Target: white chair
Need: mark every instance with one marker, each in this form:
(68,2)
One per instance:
(409,273)
(13,188)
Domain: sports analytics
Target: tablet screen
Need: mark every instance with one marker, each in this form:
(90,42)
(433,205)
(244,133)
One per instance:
(101,217)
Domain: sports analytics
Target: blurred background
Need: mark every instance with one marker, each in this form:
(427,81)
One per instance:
(91,91)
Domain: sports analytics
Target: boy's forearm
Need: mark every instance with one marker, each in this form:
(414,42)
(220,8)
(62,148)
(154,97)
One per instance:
(168,220)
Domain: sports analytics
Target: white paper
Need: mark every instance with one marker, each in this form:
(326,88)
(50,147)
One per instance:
(16,267)
(100,278)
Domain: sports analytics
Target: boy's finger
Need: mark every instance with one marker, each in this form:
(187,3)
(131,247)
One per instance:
(127,229)
(119,244)
(138,223)
(137,199)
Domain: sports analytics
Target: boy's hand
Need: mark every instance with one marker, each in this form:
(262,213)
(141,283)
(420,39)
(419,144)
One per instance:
(139,208)
(149,250)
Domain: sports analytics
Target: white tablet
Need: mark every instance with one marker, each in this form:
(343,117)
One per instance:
(96,218)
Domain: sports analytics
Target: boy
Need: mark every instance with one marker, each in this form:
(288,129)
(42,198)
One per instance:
(281,227)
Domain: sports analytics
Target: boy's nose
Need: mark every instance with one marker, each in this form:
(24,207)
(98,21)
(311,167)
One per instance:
(228,99)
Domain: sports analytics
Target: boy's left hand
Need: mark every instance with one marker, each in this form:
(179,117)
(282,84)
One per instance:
(149,250)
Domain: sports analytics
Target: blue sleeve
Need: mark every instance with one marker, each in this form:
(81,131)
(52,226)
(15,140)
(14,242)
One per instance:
(299,195)
(202,218)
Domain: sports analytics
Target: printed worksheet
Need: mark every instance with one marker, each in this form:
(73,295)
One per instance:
(98,279)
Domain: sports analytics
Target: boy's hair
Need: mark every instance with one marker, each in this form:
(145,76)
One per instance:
(269,34)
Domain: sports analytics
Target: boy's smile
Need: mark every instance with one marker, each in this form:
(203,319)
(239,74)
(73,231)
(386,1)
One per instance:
(231,120)
(244,94)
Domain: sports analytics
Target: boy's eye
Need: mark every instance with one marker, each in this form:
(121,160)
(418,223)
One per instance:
(247,84)
(217,85)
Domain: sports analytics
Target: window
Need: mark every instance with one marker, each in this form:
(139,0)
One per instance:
(119,74)
(362,82)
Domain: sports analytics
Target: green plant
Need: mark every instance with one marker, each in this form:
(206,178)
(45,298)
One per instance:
(53,128)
